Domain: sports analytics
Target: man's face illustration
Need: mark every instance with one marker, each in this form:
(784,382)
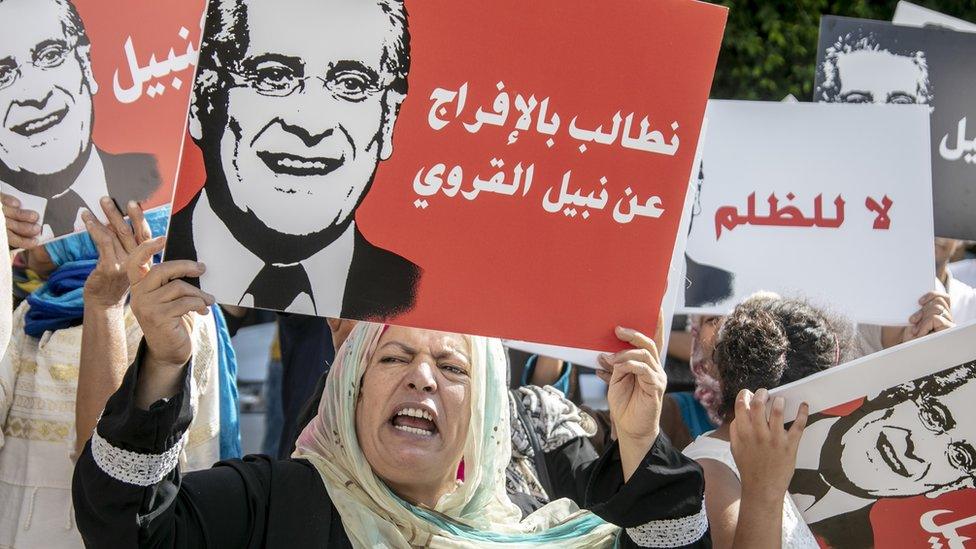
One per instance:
(46,88)
(913,447)
(878,76)
(310,114)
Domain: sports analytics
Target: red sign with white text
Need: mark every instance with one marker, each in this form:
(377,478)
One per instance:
(532,187)
(94,99)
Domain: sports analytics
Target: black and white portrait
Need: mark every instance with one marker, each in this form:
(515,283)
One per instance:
(876,62)
(294,109)
(706,284)
(48,160)
(864,69)
(915,439)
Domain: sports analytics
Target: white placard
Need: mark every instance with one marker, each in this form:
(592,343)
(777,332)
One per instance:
(830,202)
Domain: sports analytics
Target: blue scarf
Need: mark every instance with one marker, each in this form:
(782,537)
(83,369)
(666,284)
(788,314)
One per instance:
(58,304)
(230,429)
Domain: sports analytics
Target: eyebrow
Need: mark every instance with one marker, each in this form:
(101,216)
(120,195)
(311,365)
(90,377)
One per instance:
(252,61)
(447,353)
(349,65)
(403,347)
(49,42)
(451,353)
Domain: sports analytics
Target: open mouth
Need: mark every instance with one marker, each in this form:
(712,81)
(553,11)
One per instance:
(38,125)
(414,421)
(890,457)
(289,164)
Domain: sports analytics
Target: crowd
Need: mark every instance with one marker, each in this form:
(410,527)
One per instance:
(120,428)
(119,413)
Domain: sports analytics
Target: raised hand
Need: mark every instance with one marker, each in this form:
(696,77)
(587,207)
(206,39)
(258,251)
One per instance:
(934,315)
(637,383)
(764,450)
(162,303)
(108,284)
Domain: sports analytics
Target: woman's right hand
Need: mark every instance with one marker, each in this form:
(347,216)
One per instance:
(162,303)
(765,451)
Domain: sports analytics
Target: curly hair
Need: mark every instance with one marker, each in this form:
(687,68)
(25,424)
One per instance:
(768,341)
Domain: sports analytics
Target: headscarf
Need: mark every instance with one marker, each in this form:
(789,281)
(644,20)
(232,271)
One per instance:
(478,512)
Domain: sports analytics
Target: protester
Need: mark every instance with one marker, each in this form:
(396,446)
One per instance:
(97,383)
(962,296)
(551,438)
(963,264)
(748,461)
(70,337)
(365,472)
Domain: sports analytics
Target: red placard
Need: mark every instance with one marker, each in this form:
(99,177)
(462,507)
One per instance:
(154,120)
(93,100)
(496,261)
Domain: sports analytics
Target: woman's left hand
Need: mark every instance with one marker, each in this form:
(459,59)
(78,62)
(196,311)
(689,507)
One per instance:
(108,284)
(637,382)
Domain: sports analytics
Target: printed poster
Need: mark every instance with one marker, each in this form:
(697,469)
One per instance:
(913,15)
(825,202)
(864,61)
(93,102)
(887,458)
(502,168)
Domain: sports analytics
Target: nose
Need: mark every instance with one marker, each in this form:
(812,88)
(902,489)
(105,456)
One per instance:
(313,114)
(28,91)
(421,377)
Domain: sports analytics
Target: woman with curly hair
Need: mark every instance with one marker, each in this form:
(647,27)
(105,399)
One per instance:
(748,461)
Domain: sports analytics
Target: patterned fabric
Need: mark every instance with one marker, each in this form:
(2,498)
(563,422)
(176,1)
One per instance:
(556,421)
(38,385)
(133,467)
(670,533)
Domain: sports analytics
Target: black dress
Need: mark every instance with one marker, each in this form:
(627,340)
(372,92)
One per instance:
(261,502)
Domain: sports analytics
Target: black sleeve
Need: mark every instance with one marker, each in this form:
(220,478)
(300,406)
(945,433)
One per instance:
(664,497)
(569,467)
(226,506)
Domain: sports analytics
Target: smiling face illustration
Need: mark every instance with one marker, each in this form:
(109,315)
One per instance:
(46,90)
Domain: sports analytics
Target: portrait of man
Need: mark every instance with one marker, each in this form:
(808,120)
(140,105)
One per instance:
(294,108)
(918,438)
(48,160)
(706,284)
(860,69)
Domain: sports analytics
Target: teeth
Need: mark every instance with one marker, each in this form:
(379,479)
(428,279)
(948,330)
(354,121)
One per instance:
(309,165)
(38,123)
(413,430)
(415,412)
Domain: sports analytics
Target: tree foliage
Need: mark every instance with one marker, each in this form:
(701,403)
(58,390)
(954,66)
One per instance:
(770,46)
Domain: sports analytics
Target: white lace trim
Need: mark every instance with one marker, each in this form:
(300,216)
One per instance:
(671,533)
(133,467)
